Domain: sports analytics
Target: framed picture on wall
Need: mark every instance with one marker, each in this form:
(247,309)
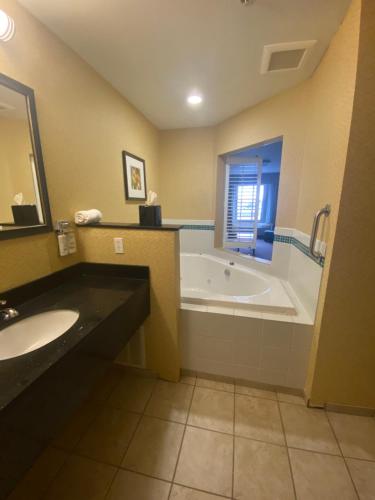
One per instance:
(134,176)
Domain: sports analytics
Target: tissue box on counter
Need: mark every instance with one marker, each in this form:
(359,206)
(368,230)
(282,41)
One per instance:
(25,215)
(150,215)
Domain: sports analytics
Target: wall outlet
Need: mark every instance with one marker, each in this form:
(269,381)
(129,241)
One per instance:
(118,244)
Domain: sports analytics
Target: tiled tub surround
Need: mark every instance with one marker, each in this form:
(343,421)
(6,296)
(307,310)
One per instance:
(245,345)
(258,344)
(199,439)
(290,259)
(195,235)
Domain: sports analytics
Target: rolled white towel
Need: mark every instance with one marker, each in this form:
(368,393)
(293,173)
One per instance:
(87,216)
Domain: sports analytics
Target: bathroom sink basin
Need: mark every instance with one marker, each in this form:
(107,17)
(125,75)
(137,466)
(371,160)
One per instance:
(34,332)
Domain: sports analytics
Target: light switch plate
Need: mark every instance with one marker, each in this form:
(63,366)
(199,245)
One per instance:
(118,244)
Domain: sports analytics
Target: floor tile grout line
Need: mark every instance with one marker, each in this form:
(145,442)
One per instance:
(371,461)
(130,441)
(143,474)
(182,441)
(88,457)
(44,493)
(71,451)
(319,452)
(342,454)
(287,450)
(143,413)
(201,491)
(267,399)
(75,452)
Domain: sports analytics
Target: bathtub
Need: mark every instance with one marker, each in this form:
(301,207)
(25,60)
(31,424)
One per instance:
(207,279)
(242,324)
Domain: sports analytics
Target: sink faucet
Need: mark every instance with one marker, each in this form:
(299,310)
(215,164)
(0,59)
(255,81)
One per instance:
(7,313)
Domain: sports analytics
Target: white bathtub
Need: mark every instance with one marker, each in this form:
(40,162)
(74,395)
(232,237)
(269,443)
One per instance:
(212,280)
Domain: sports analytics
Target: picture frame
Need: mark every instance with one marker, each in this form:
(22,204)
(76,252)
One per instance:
(134,177)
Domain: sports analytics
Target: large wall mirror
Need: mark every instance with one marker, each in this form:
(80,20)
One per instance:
(24,206)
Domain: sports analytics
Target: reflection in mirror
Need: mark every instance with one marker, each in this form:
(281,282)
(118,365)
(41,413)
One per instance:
(23,196)
(19,194)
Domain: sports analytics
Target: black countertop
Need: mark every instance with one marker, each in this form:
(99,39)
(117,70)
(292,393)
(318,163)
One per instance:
(131,225)
(94,290)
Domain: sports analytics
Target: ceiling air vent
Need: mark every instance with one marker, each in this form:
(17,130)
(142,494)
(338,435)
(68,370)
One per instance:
(285,56)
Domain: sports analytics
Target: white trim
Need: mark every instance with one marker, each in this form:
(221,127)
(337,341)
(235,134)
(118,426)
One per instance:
(253,227)
(190,222)
(284,231)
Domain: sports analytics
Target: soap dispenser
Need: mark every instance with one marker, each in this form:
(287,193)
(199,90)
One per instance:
(66,238)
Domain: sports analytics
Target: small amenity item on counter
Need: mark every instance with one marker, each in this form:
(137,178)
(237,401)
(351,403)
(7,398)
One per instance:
(87,216)
(150,213)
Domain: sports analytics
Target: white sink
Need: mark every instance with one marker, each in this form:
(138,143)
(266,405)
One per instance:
(34,332)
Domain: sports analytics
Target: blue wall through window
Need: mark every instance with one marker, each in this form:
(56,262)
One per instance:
(242,201)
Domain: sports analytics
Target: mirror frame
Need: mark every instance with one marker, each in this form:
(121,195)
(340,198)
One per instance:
(39,165)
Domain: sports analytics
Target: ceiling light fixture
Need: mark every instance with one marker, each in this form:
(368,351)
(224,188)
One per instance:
(194,99)
(7,27)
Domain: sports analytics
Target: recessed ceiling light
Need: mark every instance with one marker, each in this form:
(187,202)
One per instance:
(194,99)
(6,27)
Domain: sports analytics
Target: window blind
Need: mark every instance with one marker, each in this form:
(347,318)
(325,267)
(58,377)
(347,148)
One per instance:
(243,193)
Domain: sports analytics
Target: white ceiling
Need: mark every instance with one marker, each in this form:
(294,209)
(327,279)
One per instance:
(155,52)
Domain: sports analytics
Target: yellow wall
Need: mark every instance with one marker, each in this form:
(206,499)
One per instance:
(330,150)
(26,259)
(160,251)
(329,116)
(313,119)
(84,123)
(281,116)
(187,172)
(344,368)
(189,157)
(15,167)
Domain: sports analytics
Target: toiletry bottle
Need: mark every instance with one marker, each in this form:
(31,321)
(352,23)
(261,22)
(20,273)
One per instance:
(63,244)
(71,241)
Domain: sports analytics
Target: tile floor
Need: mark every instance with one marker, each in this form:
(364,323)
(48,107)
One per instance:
(143,439)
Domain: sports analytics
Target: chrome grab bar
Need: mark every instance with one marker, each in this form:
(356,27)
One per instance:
(314,231)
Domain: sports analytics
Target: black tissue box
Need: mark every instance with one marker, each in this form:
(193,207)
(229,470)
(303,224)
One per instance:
(25,215)
(150,215)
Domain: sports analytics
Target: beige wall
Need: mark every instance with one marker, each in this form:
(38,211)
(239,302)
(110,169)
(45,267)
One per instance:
(160,251)
(344,367)
(281,116)
(330,150)
(329,117)
(313,119)
(84,123)
(187,173)
(15,167)
(26,259)
(189,157)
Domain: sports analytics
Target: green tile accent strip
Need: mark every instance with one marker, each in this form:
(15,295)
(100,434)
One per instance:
(291,240)
(198,227)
